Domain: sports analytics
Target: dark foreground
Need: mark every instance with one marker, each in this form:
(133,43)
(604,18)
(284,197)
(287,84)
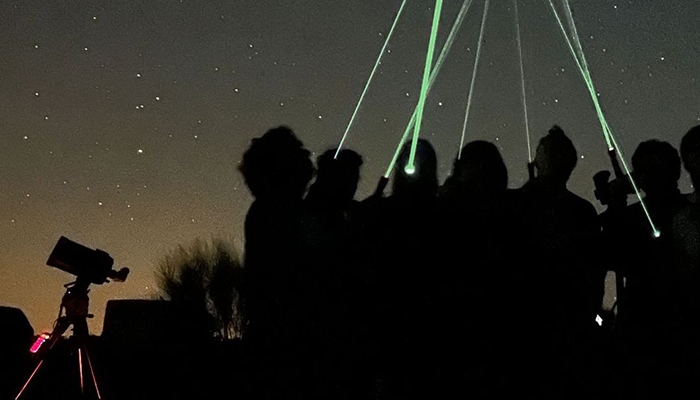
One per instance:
(173,368)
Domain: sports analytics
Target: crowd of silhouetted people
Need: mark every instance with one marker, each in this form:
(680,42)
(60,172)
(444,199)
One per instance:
(468,288)
(465,289)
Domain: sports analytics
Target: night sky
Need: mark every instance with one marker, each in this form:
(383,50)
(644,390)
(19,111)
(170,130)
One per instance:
(122,122)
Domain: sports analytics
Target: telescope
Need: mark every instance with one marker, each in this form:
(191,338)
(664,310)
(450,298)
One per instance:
(89,266)
(94,266)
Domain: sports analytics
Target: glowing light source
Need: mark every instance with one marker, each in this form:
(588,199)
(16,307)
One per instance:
(657,233)
(433,76)
(426,81)
(38,342)
(582,64)
(410,169)
(599,320)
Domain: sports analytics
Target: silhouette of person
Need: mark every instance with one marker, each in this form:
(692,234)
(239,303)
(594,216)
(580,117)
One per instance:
(277,169)
(401,237)
(479,172)
(566,280)
(479,260)
(646,262)
(335,286)
(15,340)
(686,224)
(686,236)
(336,180)
(657,169)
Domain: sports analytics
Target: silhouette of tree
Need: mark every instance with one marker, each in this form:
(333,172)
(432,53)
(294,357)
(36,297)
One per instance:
(204,278)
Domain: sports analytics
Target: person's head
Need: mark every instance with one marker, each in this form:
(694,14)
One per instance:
(690,153)
(276,166)
(556,157)
(17,331)
(337,177)
(423,181)
(657,167)
(480,168)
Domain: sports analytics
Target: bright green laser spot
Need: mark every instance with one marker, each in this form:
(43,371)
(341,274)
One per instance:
(395,158)
(580,58)
(371,76)
(610,139)
(410,169)
(433,76)
(426,80)
(634,186)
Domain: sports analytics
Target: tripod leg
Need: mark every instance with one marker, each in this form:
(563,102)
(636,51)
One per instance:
(92,373)
(29,380)
(61,325)
(80,371)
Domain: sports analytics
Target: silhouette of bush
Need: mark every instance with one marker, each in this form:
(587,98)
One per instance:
(204,278)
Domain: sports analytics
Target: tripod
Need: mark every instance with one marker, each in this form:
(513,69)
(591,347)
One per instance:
(75,303)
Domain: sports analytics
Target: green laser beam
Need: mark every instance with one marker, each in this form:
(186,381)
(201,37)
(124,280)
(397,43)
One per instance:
(585,75)
(433,76)
(654,230)
(582,57)
(584,61)
(371,76)
(522,81)
(410,168)
(450,40)
(575,35)
(474,71)
(577,40)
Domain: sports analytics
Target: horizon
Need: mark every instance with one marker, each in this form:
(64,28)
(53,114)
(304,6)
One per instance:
(125,122)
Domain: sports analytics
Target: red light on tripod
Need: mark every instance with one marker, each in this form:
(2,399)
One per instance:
(39,341)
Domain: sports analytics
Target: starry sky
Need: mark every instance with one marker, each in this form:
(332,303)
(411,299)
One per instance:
(122,122)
